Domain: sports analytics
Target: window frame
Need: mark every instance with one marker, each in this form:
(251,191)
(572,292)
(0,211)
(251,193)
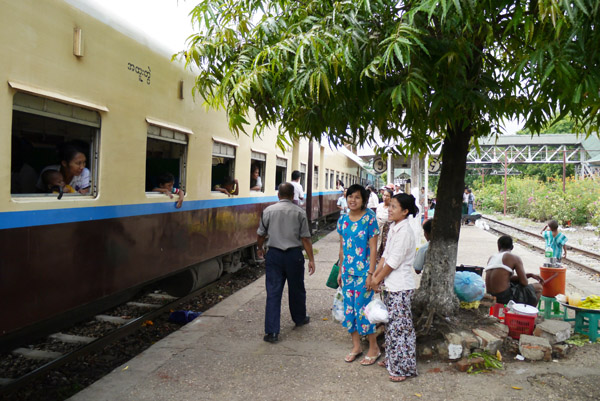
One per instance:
(226,143)
(78,109)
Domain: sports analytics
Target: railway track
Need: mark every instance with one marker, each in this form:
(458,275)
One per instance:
(586,260)
(156,307)
(126,326)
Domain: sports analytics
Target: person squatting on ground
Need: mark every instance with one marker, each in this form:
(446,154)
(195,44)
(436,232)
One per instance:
(166,182)
(358,232)
(395,270)
(506,279)
(555,240)
(287,228)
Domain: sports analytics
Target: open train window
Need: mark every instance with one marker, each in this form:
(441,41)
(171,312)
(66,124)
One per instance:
(223,166)
(331,180)
(258,164)
(326,178)
(44,132)
(280,171)
(316,178)
(166,153)
(303,175)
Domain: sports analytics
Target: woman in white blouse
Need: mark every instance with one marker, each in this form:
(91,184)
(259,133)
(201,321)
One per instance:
(395,269)
(383,221)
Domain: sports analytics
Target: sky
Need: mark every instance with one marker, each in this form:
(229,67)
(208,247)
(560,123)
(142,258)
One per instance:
(168,22)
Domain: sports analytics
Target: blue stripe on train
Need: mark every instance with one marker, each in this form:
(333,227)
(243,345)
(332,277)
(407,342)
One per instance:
(31,218)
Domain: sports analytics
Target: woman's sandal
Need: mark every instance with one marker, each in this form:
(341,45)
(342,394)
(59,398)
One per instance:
(370,360)
(351,357)
(397,379)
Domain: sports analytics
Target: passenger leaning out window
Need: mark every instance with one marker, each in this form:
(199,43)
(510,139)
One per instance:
(255,180)
(72,167)
(166,185)
(229,186)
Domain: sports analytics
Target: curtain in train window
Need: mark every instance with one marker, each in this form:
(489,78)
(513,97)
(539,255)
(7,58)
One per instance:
(44,131)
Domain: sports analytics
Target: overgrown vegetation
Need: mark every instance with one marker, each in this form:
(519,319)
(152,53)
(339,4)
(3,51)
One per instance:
(538,200)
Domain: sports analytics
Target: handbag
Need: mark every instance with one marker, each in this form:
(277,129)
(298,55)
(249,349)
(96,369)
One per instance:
(332,280)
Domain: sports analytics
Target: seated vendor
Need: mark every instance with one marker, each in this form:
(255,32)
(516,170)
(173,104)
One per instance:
(506,279)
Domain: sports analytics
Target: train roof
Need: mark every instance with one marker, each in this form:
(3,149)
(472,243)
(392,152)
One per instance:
(120,23)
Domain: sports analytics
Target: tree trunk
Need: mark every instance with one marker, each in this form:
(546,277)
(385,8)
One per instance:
(435,296)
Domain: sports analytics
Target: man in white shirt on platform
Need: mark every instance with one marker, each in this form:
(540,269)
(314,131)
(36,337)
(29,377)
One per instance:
(298,190)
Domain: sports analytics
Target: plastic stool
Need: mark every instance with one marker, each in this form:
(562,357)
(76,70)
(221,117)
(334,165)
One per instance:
(587,323)
(550,308)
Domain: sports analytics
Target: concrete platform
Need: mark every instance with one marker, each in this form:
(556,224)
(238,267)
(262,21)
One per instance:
(221,355)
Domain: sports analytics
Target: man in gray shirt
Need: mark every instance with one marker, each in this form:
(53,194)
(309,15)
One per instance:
(286,226)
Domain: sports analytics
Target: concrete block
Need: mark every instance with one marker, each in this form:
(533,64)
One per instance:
(535,348)
(71,339)
(470,342)
(489,342)
(454,344)
(555,331)
(36,354)
(111,319)
(560,350)
(465,363)
(426,352)
(442,350)
(498,329)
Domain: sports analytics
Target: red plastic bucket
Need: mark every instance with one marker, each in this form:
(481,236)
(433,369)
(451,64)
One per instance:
(555,280)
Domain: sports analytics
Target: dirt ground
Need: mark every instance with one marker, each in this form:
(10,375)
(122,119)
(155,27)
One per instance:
(575,377)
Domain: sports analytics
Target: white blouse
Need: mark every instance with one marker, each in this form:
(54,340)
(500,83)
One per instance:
(382,214)
(399,254)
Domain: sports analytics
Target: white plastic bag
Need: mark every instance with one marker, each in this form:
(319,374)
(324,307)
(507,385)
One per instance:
(337,311)
(376,311)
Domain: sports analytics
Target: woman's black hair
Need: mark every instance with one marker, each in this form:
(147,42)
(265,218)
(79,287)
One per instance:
(407,202)
(253,180)
(67,151)
(389,191)
(363,194)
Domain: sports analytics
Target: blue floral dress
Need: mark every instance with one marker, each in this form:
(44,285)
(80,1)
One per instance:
(357,254)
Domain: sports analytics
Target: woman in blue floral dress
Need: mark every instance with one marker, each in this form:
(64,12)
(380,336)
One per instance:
(358,251)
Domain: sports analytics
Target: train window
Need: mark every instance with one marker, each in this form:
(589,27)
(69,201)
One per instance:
(223,164)
(258,165)
(331,182)
(316,178)
(280,171)
(303,175)
(166,152)
(326,178)
(44,131)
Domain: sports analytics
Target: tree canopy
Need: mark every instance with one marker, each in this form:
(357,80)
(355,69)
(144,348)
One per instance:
(409,69)
(417,72)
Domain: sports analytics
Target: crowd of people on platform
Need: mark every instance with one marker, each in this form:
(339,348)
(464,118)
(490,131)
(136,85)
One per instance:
(377,257)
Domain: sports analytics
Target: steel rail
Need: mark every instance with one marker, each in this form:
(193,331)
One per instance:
(105,340)
(569,247)
(537,247)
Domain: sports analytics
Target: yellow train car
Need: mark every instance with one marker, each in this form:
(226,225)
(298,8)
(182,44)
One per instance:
(99,105)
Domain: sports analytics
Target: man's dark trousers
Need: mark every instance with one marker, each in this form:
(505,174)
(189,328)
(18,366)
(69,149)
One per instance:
(281,266)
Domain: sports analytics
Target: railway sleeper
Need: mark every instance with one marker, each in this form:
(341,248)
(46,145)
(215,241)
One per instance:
(37,354)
